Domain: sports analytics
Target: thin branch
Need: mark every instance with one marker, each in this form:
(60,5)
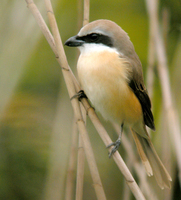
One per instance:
(80,163)
(81,153)
(166,25)
(116,156)
(151,62)
(86,12)
(80,170)
(138,167)
(126,190)
(69,188)
(166,151)
(44,28)
(165,142)
(171,114)
(77,112)
(54,184)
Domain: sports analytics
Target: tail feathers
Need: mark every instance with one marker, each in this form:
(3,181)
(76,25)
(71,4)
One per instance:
(142,154)
(151,161)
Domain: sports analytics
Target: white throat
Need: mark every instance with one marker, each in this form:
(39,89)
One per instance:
(92,47)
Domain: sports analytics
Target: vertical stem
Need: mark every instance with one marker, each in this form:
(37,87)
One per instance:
(75,104)
(81,152)
(151,62)
(80,170)
(69,188)
(86,12)
(171,114)
(80,163)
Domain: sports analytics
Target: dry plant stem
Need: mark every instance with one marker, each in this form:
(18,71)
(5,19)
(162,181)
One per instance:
(166,152)
(44,28)
(80,163)
(116,156)
(86,12)
(81,154)
(69,188)
(165,22)
(75,104)
(138,167)
(126,190)
(151,62)
(172,116)
(91,162)
(68,79)
(34,10)
(54,185)
(166,147)
(80,170)
(79,14)
(91,113)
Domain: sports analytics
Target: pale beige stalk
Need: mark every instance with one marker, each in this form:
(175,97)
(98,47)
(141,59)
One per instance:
(77,112)
(69,187)
(81,153)
(171,113)
(138,167)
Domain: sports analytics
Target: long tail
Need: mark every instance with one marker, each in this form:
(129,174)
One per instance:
(151,161)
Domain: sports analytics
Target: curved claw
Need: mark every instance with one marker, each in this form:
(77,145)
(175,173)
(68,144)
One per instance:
(115,148)
(80,95)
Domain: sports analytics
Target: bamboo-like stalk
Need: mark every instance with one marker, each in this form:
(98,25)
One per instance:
(81,154)
(166,154)
(79,14)
(116,156)
(126,190)
(171,114)
(166,147)
(165,25)
(138,167)
(75,104)
(86,12)
(69,188)
(151,62)
(54,185)
(166,151)
(80,170)
(41,23)
(80,163)
(90,111)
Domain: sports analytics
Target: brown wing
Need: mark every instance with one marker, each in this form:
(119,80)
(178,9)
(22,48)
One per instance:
(144,100)
(136,83)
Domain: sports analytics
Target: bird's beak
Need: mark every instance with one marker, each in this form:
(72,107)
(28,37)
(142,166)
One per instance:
(74,41)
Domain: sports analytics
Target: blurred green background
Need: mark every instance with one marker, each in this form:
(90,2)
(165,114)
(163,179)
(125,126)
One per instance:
(35,111)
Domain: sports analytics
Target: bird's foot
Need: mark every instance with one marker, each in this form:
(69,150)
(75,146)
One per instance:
(115,148)
(80,95)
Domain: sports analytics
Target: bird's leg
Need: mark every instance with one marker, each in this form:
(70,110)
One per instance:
(116,144)
(80,95)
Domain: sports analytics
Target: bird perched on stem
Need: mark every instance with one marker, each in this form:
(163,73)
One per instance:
(111,76)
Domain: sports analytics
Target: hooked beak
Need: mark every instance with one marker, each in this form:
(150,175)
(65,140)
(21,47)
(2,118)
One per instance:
(74,41)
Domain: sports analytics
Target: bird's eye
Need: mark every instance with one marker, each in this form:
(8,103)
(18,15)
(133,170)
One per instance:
(94,37)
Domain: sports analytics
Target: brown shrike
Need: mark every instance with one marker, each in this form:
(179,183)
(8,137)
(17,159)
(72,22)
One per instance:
(110,74)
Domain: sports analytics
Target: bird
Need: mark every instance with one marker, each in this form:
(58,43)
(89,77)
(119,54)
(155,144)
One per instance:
(111,76)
